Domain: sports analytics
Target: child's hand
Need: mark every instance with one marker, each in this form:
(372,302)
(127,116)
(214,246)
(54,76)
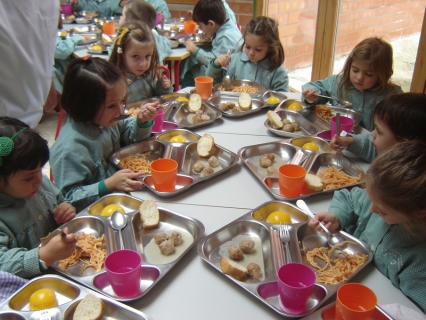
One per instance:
(189,15)
(74,1)
(339,143)
(58,248)
(190,46)
(165,82)
(309,95)
(330,221)
(123,3)
(148,112)
(64,212)
(123,181)
(163,16)
(223,60)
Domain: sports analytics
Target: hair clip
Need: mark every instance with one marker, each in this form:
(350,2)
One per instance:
(121,34)
(119,50)
(7,145)
(88,58)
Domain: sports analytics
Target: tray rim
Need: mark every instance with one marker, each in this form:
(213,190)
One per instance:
(289,134)
(239,114)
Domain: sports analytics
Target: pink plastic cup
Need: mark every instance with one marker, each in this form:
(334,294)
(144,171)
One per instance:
(123,269)
(295,285)
(158,122)
(66,8)
(346,124)
(158,19)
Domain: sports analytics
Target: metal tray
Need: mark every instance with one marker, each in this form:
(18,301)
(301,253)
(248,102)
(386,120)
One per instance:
(135,237)
(290,151)
(68,295)
(256,105)
(307,128)
(253,226)
(199,39)
(237,83)
(270,93)
(184,153)
(104,49)
(328,313)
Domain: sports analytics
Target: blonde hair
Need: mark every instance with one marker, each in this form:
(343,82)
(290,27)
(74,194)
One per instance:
(379,54)
(138,32)
(267,29)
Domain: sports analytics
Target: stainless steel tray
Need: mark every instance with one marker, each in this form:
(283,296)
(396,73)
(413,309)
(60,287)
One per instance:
(184,153)
(256,105)
(253,226)
(135,237)
(270,93)
(307,128)
(199,39)
(290,151)
(68,295)
(261,89)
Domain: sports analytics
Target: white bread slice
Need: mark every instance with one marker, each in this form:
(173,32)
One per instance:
(313,182)
(195,102)
(205,146)
(90,308)
(149,214)
(274,119)
(233,269)
(244,101)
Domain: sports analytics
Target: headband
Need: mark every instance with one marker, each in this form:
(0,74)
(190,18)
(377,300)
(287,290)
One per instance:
(119,40)
(7,145)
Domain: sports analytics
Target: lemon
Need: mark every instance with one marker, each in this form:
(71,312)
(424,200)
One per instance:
(109,210)
(178,139)
(95,47)
(182,99)
(277,217)
(310,146)
(272,100)
(43,299)
(295,106)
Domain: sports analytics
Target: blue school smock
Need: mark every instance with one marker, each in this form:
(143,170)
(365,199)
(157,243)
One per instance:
(106,8)
(160,5)
(141,87)
(229,13)
(163,46)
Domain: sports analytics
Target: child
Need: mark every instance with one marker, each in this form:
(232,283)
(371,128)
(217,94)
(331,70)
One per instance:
(94,97)
(31,206)
(161,7)
(260,59)
(390,216)
(230,15)
(364,80)
(142,11)
(106,8)
(210,15)
(135,54)
(398,118)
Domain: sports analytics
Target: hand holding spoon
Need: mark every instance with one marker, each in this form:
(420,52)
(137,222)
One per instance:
(343,103)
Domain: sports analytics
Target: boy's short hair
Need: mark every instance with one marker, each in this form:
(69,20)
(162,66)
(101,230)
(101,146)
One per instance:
(206,10)
(142,11)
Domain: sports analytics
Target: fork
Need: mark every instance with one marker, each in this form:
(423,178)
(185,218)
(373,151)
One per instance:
(285,238)
(339,154)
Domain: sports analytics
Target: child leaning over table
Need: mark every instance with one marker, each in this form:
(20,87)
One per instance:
(260,58)
(390,216)
(106,8)
(230,15)
(161,7)
(31,206)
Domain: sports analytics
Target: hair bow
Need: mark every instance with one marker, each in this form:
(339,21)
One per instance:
(7,145)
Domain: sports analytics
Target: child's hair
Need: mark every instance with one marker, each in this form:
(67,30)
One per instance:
(398,179)
(267,29)
(29,151)
(86,84)
(404,114)
(134,31)
(142,11)
(206,10)
(379,55)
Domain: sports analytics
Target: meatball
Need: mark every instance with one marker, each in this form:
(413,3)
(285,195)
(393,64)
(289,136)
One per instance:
(200,112)
(296,126)
(235,253)
(254,270)
(213,162)
(230,105)
(198,167)
(247,246)
(223,106)
(176,237)
(270,156)
(167,247)
(205,117)
(288,128)
(286,121)
(236,109)
(207,171)
(197,119)
(272,171)
(160,237)
(265,162)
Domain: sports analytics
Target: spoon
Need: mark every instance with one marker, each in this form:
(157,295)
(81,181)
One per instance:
(333,238)
(227,79)
(343,103)
(118,222)
(126,115)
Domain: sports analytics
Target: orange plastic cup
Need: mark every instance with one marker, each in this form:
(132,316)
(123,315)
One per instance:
(291,179)
(355,302)
(190,27)
(108,28)
(204,86)
(164,174)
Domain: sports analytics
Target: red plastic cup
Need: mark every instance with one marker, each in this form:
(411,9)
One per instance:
(158,121)
(204,86)
(164,174)
(355,302)
(295,282)
(291,178)
(66,8)
(123,269)
(346,124)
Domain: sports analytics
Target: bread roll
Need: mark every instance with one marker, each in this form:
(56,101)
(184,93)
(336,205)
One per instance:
(149,214)
(205,146)
(274,119)
(90,308)
(313,182)
(233,269)
(244,101)
(194,103)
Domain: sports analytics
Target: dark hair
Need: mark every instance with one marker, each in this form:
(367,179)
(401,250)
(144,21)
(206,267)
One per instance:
(86,85)
(139,32)
(404,114)
(206,10)
(30,149)
(267,29)
(379,55)
(398,179)
(142,11)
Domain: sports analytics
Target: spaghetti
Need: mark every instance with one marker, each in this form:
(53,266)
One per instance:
(324,112)
(137,162)
(333,178)
(243,88)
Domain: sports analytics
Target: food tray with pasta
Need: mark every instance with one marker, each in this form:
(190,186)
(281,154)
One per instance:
(258,228)
(229,106)
(239,86)
(66,295)
(314,154)
(304,127)
(95,221)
